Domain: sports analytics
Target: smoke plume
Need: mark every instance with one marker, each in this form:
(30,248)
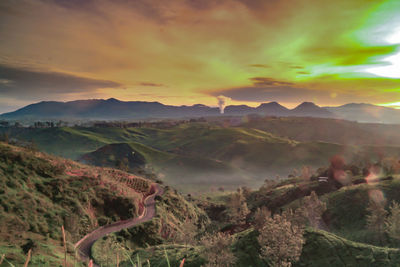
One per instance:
(222,102)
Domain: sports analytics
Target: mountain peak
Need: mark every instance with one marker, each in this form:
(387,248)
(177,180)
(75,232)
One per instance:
(307,105)
(310,109)
(112,99)
(272,104)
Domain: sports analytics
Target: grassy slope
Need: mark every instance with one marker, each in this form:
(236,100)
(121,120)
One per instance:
(349,220)
(39,193)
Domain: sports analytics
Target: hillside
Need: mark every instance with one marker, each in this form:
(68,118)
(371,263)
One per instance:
(40,193)
(169,224)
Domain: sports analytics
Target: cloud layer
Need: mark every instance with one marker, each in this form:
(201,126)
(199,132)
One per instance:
(25,83)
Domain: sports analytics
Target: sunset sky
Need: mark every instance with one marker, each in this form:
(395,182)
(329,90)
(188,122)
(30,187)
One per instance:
(192,51)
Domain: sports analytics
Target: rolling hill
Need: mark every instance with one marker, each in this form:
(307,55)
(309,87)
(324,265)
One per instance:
(204,155)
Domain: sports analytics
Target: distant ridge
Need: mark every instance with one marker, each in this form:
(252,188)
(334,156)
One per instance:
(114,109)
(364,112)
(272,108)
(309,109)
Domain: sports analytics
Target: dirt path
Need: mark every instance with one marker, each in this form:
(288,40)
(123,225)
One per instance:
(84,245)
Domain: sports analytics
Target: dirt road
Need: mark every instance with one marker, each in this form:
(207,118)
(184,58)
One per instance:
(84,245)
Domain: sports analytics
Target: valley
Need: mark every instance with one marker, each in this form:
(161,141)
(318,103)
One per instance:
(220,152)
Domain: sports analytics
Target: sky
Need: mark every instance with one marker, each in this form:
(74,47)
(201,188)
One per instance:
(184,52)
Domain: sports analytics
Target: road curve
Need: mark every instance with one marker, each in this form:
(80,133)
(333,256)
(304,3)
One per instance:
(84,245)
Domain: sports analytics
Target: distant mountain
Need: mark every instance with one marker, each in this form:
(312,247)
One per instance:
(238,110)
(272,108)
(107,109)
(113,109)
(309,109)
(362,112)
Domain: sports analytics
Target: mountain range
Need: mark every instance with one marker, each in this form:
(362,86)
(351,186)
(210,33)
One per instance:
(113,109)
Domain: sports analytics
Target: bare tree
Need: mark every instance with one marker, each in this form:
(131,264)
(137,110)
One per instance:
(217,250)
(281,240)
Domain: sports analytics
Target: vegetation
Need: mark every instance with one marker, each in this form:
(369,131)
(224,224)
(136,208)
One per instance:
(39,194)
(217,250)
(392,223)
(281,240)
(187,155)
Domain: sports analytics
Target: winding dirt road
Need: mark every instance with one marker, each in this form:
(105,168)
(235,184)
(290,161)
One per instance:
(84,245)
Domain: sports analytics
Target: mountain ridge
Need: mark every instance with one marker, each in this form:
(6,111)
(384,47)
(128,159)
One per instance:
(114,109)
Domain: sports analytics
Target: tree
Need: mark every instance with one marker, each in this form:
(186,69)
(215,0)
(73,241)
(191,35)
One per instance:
(376,218)
(217,250)
(260,216)
(267,186)
(281,240)
(392,222)
(238,207)
(312,209)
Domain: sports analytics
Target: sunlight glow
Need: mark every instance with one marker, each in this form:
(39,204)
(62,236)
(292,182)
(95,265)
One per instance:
(395,105)
(395,37)
(390,71)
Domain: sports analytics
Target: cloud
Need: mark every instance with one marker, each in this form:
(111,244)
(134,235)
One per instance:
(151,84)
(264,81)
(262,94)
(296,67)
(259,66)
(26,83)
(269,89)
